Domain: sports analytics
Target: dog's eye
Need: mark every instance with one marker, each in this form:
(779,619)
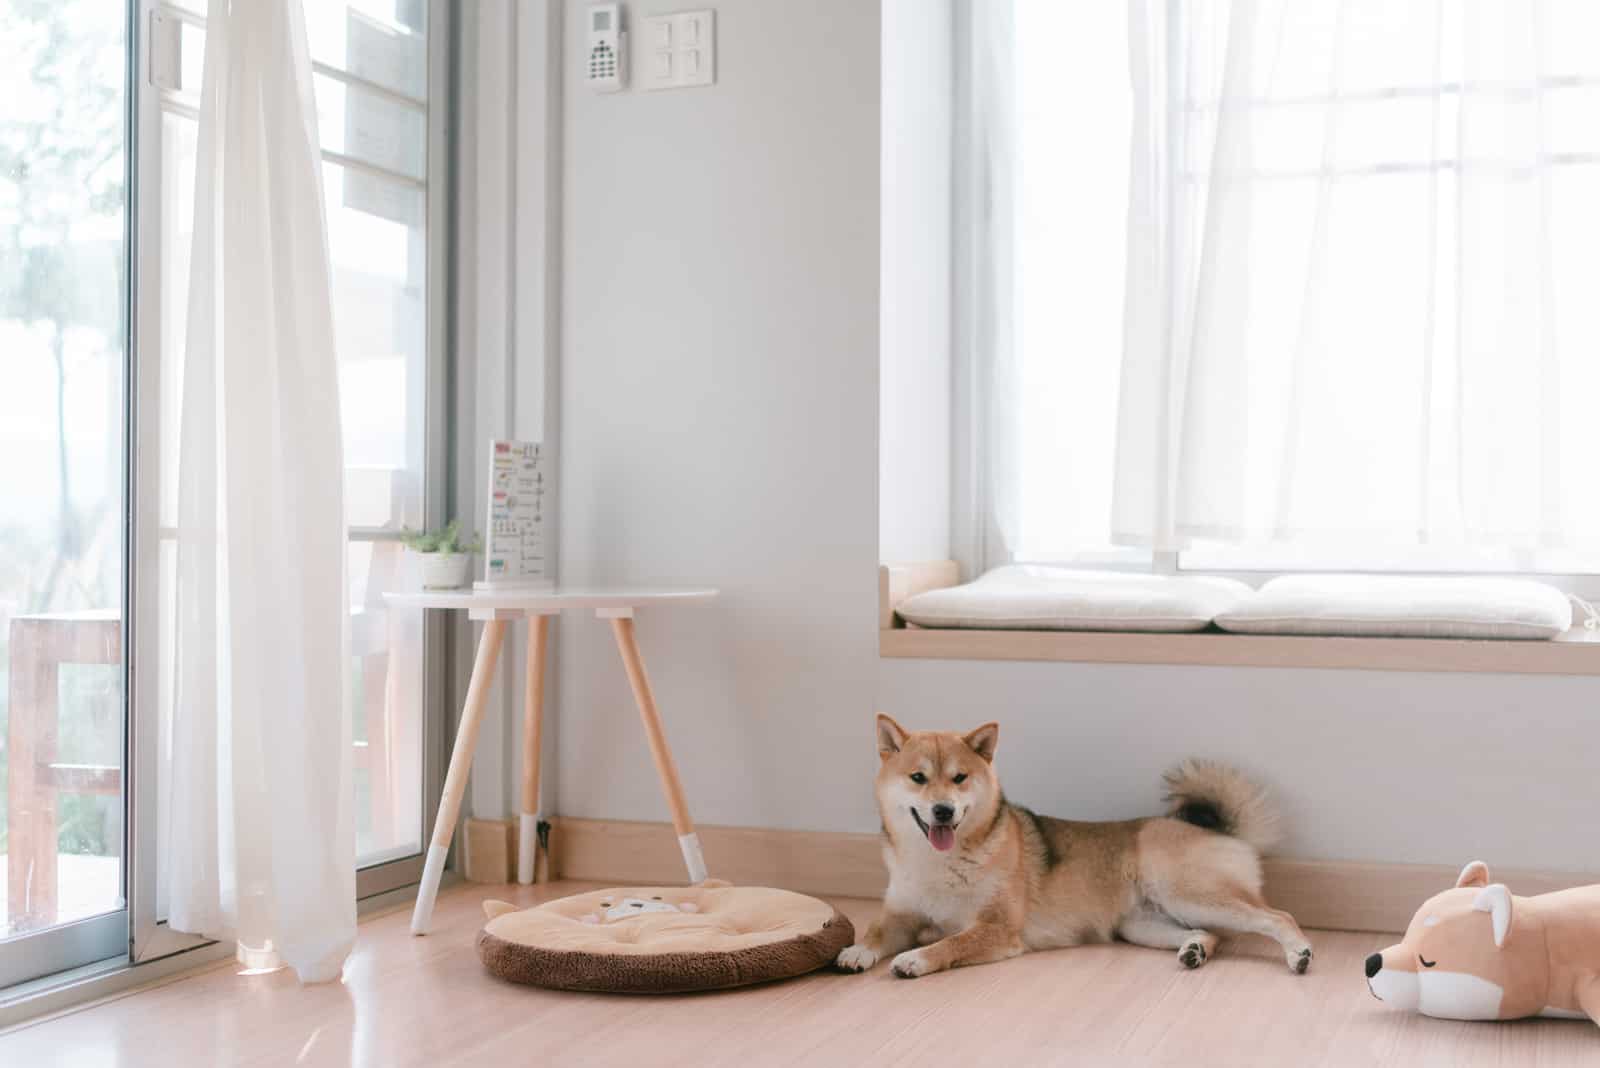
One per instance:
(918,778)
(1426,963)
(959,777)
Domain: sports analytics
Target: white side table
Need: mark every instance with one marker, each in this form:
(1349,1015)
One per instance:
(496,609)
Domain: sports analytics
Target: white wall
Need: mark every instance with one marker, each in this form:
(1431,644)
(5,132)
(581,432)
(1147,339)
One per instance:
(1369,765)
(719,388)
(914,398)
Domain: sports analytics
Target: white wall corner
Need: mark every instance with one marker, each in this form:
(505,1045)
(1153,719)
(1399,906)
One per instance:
(507,285)
(915,340)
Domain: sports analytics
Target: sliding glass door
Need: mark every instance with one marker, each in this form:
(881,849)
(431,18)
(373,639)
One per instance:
(63,374)
(96,203)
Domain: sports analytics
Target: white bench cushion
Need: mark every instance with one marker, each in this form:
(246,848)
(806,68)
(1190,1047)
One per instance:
(1401,607)
(1034,597)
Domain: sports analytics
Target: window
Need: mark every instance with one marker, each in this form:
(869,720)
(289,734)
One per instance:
(1071,108)
(1292,286)
(63,258)
(381,173)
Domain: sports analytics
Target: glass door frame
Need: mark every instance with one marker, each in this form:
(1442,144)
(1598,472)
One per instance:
(149,937)
(390,875)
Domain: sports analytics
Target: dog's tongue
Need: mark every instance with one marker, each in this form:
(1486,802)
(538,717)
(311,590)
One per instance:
(942,837)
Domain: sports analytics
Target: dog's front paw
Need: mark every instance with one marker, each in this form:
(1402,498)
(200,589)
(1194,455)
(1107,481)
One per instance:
(911,963)
(856,958)
(1192,955)
(1299,959)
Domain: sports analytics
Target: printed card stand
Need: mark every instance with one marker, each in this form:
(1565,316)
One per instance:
(515,540)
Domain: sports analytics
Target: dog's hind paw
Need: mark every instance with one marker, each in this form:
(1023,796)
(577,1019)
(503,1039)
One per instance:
(1192,955)
(1299,960)
(856,958)
(910,964)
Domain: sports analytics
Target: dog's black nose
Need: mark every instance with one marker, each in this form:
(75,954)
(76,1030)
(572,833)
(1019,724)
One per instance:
(944,813)
(1374,964)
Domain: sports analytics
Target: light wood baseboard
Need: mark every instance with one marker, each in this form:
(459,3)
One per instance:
(489,852)
(1328,894)
(833,863)
(1353,895)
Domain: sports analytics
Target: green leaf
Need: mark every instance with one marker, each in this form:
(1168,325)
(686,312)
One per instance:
(448,540)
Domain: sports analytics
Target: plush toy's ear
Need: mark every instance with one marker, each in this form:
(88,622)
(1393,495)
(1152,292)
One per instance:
(983,740)
(1495,899)
(1474,874)
(492,908)
(891,736)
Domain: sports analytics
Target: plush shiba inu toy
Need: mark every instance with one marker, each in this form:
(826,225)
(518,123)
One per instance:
(1479,952)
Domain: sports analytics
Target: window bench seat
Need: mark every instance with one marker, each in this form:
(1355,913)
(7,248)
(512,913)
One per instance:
(1575,653)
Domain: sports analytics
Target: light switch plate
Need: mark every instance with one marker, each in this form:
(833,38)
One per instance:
(678,50)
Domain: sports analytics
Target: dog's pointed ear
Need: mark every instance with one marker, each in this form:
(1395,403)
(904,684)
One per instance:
(983,740)
(1474,874)
(891,737)
(1495,899)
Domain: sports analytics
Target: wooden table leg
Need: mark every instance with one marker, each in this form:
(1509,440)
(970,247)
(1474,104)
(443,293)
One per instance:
(532,739)
(455,782)
(688,841)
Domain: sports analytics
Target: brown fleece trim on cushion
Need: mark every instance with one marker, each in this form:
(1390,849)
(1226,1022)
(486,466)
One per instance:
(665,973)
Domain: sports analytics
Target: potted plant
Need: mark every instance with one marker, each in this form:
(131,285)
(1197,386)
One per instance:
(443,559)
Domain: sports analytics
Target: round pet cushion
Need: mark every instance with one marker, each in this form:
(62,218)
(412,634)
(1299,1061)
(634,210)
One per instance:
(658,940)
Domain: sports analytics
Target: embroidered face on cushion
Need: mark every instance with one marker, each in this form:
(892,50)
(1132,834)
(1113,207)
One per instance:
(1460,958)
(625,908)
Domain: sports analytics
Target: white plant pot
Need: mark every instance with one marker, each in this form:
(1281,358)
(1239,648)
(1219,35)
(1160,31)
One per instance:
(443,571)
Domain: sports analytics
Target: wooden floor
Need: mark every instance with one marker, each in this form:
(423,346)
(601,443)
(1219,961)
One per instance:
(415,1001)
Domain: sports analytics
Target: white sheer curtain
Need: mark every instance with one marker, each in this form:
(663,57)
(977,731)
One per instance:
(1362,239)
(262,844)
(986,446)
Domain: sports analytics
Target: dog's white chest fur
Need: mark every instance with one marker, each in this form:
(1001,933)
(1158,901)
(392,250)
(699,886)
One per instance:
(947,888)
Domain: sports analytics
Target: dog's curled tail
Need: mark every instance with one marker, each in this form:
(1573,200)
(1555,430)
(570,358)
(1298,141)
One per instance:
(1220,798)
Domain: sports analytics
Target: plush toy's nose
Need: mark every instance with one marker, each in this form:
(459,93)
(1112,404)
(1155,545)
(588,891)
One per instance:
(1374,964)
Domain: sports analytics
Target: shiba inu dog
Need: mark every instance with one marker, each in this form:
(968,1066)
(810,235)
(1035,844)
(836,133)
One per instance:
(1479,952)
(974,878)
